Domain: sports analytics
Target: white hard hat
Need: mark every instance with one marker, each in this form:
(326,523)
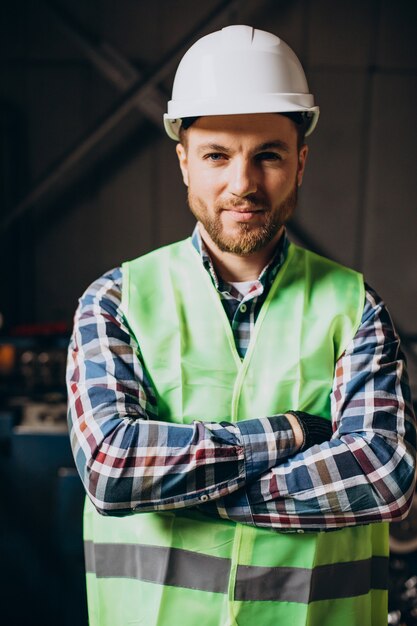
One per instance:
(239,69)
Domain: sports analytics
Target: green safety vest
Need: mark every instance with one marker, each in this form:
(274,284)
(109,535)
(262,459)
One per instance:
(179,567)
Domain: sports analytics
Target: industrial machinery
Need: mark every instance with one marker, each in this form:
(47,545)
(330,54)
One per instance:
(42,496)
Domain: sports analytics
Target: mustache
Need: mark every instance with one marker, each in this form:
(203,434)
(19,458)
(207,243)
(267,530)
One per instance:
(249,203)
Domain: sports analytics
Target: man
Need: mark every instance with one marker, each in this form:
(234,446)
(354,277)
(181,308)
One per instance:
(238,406)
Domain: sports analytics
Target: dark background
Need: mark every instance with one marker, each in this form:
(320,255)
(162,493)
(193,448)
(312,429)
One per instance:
(88,179)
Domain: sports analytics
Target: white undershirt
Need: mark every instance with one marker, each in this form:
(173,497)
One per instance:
(244,286)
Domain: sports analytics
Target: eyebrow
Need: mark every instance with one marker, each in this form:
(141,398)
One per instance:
(215,147)
(276,144)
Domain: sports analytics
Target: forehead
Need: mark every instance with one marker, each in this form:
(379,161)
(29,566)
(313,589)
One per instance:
(247,129)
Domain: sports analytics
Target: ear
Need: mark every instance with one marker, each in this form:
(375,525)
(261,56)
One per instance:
(182,158)
(302,158)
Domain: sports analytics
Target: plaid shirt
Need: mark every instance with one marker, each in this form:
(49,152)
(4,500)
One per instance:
(247,471)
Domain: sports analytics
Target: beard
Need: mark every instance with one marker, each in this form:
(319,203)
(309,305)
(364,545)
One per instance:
(246,238)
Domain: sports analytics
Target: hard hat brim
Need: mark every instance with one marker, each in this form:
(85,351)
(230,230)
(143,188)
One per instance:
(173,123)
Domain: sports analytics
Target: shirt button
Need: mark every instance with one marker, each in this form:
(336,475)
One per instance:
(204,498)
(243,308)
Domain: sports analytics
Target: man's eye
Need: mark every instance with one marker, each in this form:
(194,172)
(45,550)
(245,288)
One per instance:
(268,156)
(214,156)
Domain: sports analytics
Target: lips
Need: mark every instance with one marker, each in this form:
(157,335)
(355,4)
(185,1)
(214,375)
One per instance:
(242,208)
(248,210)
(243,215)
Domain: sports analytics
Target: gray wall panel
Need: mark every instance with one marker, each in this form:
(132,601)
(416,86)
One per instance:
(62,271)
(29,32)
(286,18)
(341,34)
(331,193)
(390,250)
(134,31)
(125,219)
(174,220)
(397,42)
(59,105)
(104,230)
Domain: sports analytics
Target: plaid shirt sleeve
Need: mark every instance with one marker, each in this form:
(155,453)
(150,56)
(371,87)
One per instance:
(365,473)
(128,460)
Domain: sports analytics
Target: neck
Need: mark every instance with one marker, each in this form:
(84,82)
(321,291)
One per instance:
(235,267)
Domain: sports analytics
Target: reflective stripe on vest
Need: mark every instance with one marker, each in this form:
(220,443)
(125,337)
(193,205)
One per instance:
(180,566)
(193,570)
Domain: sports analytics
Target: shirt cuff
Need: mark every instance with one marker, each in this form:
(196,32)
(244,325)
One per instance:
(266,441)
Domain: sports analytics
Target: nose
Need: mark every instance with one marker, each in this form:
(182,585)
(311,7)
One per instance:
(242,178)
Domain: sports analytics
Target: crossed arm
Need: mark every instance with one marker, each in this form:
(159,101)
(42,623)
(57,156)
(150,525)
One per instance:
(250,471)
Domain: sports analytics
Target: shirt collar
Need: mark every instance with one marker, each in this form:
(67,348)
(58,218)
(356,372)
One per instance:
(266,277)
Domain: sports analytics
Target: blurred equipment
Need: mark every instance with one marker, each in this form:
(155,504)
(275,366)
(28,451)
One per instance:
(41,524)
(403,591)
(402,594)
(403,535)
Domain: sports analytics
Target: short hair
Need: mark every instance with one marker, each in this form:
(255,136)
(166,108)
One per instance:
(185,125)
(301,120)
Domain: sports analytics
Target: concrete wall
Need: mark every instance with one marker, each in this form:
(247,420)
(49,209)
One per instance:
(358,202)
